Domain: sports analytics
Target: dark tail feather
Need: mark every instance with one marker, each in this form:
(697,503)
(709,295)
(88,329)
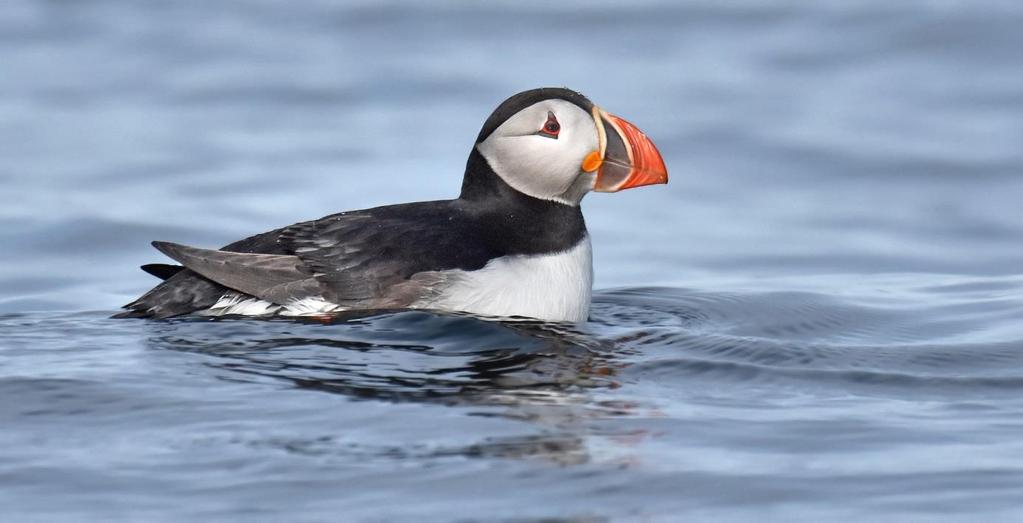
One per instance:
(162,270)
(182,293)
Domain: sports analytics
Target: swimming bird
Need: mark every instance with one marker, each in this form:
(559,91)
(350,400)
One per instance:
(513,244)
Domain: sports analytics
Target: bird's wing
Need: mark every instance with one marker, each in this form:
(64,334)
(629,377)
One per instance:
(388,256)
(277,278)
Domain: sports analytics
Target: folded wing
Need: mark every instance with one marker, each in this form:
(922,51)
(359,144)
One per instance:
(276,278)
(387,257)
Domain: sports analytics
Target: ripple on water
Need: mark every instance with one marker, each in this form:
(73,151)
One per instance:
(663,387)
(822,342)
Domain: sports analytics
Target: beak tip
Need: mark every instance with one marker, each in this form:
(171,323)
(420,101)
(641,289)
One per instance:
(644,165)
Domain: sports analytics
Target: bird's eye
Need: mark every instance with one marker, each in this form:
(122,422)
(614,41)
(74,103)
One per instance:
(551,128)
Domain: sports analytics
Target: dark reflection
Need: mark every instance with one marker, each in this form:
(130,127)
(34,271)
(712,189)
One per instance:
(535,372)
(559,448)
(399,356)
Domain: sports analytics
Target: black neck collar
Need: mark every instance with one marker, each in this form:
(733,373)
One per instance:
(525,223)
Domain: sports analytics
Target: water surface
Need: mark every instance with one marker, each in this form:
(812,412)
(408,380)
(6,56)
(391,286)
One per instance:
(818,319)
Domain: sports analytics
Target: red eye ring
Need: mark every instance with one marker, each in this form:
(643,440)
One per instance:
(551,128)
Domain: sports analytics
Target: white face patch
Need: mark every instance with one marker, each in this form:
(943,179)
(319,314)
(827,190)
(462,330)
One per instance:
(538,165)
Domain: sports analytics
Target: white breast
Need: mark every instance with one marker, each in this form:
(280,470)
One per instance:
(552,287)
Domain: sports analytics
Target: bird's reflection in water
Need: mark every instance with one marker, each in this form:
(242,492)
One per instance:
(543,374)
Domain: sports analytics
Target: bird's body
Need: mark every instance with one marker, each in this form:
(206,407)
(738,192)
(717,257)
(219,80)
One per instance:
(508,246)
(554,286)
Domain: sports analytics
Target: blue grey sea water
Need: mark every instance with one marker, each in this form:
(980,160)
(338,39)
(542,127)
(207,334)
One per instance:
(820,318)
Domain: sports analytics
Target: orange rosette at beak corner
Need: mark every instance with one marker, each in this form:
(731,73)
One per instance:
(627,157)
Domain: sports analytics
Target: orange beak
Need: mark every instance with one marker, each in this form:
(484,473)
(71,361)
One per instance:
(627,158)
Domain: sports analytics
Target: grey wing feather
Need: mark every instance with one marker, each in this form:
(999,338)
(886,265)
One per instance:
(277,278)
(352,262)
(368,261)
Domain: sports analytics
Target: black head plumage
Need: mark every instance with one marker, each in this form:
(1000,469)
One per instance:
(524,99)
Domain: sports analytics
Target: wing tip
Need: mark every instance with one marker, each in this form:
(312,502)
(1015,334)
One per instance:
(162,246)
(174,251)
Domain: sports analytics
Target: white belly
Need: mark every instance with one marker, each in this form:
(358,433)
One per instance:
(552,287)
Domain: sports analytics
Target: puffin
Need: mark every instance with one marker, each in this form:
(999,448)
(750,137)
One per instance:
(512,245)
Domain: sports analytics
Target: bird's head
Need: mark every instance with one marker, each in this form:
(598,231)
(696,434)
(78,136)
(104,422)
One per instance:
(554,144)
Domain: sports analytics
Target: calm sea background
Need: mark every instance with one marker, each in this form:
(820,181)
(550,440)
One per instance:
(820,318)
